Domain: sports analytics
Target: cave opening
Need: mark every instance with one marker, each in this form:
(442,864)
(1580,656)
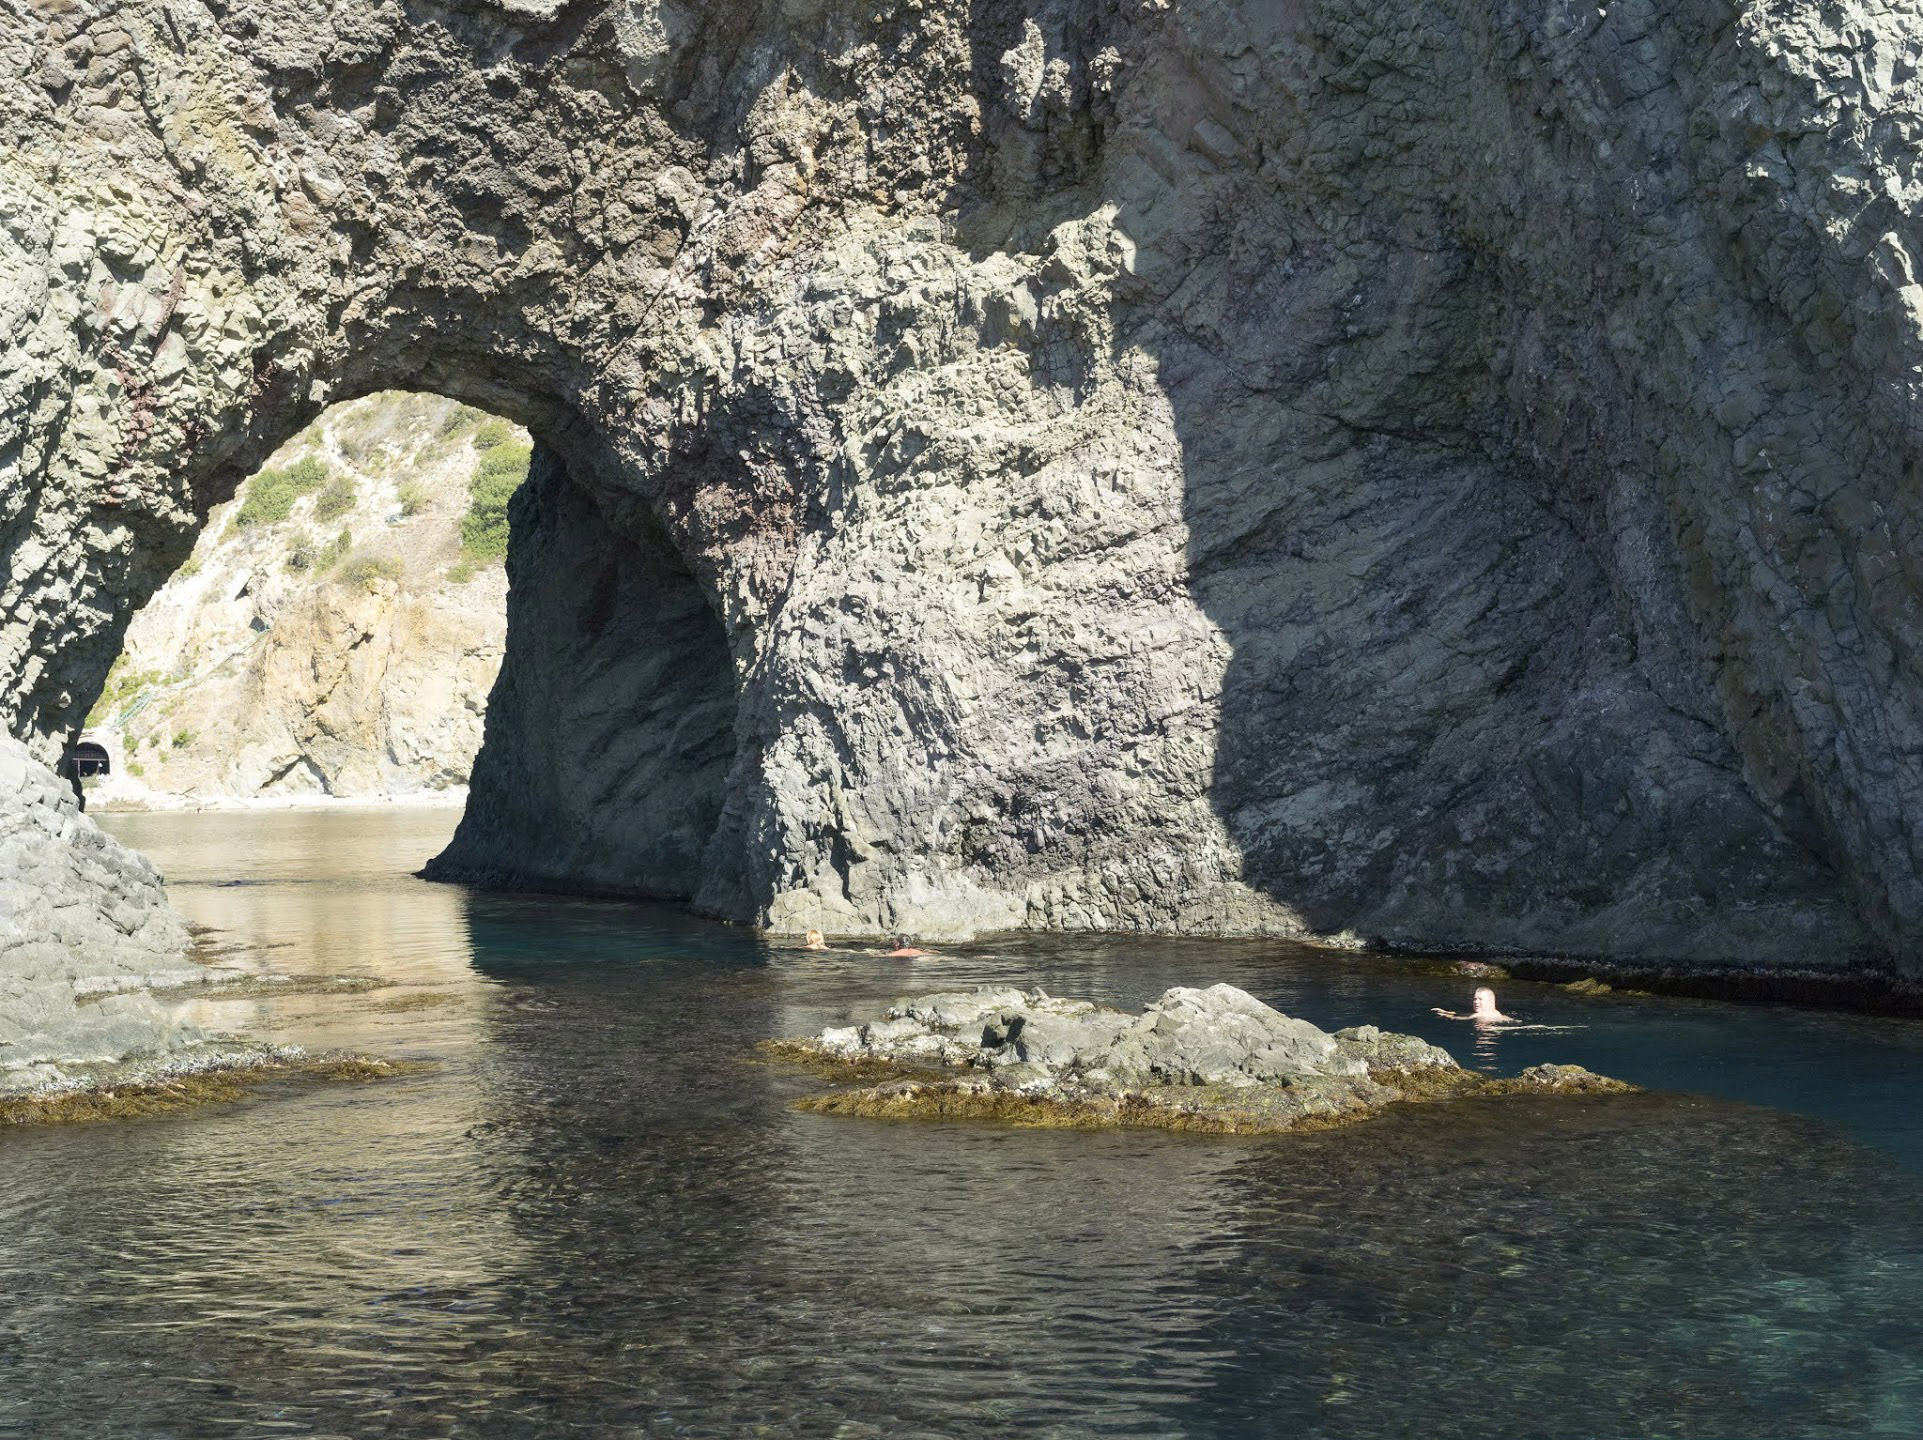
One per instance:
(351,629)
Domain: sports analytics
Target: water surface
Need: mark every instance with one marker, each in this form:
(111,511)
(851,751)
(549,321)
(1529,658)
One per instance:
(596,1214)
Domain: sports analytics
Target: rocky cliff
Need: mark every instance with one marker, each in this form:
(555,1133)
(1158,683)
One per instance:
(85,935)
(331,635)
(1442,475)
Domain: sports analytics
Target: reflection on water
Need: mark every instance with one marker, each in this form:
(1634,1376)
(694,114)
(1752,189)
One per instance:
(597,1216)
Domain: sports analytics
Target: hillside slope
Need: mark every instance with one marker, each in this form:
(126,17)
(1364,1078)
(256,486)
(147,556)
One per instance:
(332,635)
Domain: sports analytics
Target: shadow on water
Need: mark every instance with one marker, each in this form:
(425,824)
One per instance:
(597,1214)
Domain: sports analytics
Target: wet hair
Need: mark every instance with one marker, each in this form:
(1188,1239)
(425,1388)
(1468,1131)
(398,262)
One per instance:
(902,942)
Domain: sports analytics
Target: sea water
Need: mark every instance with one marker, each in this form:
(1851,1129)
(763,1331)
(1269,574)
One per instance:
(596,1213)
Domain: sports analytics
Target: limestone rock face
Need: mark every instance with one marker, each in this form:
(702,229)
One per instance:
(1444,476)
(85,932)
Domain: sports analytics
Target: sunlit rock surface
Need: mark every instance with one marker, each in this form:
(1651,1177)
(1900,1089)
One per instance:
(1214,1059)
(338,645)
(1444,477)
(85,931)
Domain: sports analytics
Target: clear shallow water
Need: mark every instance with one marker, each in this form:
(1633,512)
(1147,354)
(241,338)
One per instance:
(596,1214)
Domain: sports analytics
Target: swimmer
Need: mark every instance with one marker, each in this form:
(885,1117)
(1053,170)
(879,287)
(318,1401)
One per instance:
(1485,1012)
(813,941)
(903,950)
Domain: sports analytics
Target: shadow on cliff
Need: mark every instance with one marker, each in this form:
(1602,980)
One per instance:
(1444,722)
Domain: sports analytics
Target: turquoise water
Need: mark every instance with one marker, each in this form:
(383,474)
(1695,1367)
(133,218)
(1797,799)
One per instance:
(596,1213)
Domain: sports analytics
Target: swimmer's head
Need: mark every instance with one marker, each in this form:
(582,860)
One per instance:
(814,941)
(1486,1001)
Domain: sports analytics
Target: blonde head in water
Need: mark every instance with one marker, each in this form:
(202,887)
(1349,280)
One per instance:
(1485,1011)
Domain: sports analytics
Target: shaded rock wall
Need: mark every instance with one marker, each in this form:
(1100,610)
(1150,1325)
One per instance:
(609,734)
(1439,474)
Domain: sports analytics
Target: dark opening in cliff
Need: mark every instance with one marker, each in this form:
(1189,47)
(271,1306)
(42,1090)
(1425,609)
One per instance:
(87,761)
(611,732)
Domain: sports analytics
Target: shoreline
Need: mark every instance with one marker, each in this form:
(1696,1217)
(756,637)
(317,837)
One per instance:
(226,1070)
(1872,992)
(449,799)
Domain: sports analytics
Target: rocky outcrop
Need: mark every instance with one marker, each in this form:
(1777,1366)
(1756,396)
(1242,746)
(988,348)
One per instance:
(1214,1059)
(1437,476)
(328,637)
(86,934)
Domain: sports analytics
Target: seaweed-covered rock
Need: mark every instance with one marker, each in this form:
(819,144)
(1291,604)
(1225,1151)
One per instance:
(1214,1059)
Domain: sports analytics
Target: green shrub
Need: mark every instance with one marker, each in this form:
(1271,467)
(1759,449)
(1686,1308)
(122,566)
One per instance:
(123,684)
(189,570)
(182,739)
(492,434)
(271,494)
(309,554)
(496,478)
(336,500)
(458,418)
(413,499)
(136,769)
(367,571)
(460,572)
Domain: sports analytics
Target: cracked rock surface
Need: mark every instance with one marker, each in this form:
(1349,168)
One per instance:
(1217,1036)
(1441,476)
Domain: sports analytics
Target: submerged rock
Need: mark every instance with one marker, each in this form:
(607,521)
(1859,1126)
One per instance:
(1212,1059)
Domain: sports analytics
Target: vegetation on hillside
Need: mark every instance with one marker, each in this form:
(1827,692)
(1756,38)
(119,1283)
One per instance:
(123,684)
(271,494)
(502,468)
(335,500)
(309,554)
(368,570)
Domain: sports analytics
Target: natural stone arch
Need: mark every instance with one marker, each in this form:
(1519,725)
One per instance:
(907,336)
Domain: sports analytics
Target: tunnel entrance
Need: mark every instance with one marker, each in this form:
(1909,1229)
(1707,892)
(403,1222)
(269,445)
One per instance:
(89,761)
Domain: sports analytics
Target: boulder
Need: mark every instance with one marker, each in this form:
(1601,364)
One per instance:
(1211,1059)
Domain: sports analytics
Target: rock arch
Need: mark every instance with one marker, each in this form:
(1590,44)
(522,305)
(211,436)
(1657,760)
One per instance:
(1236,467)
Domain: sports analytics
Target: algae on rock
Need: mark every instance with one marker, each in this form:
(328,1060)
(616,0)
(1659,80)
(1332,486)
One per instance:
(1215,1060)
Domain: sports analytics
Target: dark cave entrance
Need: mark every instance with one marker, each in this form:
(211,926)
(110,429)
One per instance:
(611,732)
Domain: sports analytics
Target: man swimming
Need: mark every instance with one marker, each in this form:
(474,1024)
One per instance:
(1485,1012)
